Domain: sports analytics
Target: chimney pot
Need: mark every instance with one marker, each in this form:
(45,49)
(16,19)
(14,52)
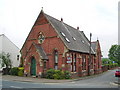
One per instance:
(77,28)
(61,19)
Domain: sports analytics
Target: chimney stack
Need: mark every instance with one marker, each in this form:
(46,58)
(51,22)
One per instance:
(61,19)
(77,28)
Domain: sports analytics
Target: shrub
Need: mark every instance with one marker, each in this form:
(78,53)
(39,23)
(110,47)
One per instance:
(67,75)
(14,71)
(21,68)
(115,64)
(21,71)
(57,74)
(50,73)
(6,71)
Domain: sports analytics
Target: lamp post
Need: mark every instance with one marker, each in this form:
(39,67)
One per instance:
(89,62)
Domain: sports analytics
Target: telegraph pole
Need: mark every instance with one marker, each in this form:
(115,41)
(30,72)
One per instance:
(89,62)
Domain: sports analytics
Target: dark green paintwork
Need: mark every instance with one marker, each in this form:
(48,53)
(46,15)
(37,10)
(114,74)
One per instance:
(33,67)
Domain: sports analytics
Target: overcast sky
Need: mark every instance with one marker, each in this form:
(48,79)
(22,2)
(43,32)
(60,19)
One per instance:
(100,17)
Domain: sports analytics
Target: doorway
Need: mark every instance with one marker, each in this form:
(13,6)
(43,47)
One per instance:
(33,66)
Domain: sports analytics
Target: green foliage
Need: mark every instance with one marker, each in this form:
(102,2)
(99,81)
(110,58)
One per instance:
(67,75)
(114,53)
(21,71)
(21,68)
(50,73)
(105,61)
(115,64)
(17,71)
(57,74)
(14,71)
(6,61)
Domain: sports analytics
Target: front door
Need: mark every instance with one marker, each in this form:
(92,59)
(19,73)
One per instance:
(33,67)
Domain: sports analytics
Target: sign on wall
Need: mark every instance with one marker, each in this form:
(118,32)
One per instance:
(69,60)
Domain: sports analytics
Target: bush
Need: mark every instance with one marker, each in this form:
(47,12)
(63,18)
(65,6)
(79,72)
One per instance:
(50,73)
(21,68)
(21,71)
(67,75)
(115,64)
(57,74)
(6,71)
(14,71)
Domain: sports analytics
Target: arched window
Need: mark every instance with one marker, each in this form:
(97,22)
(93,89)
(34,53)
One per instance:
(73,63)
(83,62)
(56,59)
(41,38)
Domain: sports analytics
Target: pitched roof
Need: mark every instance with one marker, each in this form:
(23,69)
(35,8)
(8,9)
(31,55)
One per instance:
(94,45)
(41,51)
(74,39)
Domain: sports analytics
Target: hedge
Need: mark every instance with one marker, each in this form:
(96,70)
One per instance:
(14,71)
(57,74)
(17,71)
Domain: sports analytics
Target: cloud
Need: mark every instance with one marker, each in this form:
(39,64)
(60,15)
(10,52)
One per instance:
(96,16)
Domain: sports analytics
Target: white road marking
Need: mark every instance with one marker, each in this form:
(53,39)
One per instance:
(113,84)
(51,83)
(15,87)
(71,82)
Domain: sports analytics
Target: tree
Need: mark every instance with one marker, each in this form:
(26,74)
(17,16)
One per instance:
(114,53)
(105,61)
(6,61)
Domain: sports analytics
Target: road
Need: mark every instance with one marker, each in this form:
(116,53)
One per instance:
(105,80)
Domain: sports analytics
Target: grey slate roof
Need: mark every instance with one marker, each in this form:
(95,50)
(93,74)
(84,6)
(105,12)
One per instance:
(73,38)
(42,52)
(94,45)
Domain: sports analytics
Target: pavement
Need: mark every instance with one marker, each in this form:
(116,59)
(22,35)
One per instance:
(43,80)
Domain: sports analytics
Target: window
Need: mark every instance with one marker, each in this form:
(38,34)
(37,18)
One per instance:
(67,40)
(63,34)
(44,64)
(41,38)
(17,57)
(74,38)
(65,37)
(73,64)
(82,41)
(56,59)
(83,62)
(91,65)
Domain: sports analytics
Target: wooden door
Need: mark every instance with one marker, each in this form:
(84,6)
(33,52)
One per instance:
(33,67)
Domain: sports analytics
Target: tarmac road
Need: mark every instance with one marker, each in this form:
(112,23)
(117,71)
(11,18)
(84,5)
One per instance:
(105,80)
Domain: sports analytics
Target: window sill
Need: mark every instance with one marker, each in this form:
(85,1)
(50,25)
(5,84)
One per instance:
(83,70)
(73,72)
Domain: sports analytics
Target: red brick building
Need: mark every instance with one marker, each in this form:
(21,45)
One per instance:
(53,44)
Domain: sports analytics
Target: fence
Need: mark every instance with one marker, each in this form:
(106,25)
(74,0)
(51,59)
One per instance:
(108,67)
